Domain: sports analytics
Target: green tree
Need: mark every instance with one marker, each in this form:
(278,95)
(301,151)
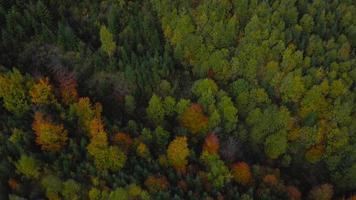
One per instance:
(228,113)
(276,144)
(107,41)
(14,92)
(28,166)
(71,190)
(155,110)
(53,186)
(218,173)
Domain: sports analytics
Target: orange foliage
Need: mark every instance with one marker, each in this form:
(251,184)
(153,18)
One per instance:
(193,119)
(42,92)
(123,140)
(68,88)
(13,184)
(242,173)
(96,126)
(270,179)
(353,197)
(314,154)
(293,193)
(51,137)
(322,192)
(211,144)
(177,154)
(156,183)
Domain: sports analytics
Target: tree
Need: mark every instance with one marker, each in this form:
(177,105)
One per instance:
(314,154)
(193,119)
(42,93)
(205,90)
(50,136)
(229,113)
(321,192)
(28,166)
(155,110)
(156,183)
(177,154)
(161,138)
(218,173)
(242,173)
(293,193)
(13,91)
(211,144)
(169,104)
(107,41)
(292,87)
(53,186)
(123,140)
(86,113)
(71,190)
(276,145)
(109,158)
(130,104)
(182,105)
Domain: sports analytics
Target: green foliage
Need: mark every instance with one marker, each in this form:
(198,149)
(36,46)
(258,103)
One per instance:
(14,92)
(71,190)
(155,110)
(130,103)
(107,41)
(169,104)
(205,90)
(28,166)
(52,185)
(218,173)
(266,87)
(228,113)
(276,145)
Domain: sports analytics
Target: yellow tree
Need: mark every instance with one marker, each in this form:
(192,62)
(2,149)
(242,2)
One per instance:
(177,154)
(193,119)
(42,93)
(50,136)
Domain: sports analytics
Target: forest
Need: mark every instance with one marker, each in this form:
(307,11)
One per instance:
(178,99)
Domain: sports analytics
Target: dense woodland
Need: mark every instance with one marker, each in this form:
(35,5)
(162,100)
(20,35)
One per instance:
(178,99)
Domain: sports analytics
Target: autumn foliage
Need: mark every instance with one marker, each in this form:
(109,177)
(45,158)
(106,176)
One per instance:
(193,119)
(315,153)
(211,144)
(68,88)
(123,140)
(242,173)
(321,192)
(42,92)
(293,193)
(177,154)
(270,179)
(50,136)
(156,183)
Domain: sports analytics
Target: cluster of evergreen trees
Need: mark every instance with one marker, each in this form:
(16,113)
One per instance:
(177,99)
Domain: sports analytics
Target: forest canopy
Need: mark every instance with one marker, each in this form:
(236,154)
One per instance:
(178,99)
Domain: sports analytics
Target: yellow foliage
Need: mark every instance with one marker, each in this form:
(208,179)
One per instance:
(142,150)
(193,119)
(42,93)
(51,137)
(177,154)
